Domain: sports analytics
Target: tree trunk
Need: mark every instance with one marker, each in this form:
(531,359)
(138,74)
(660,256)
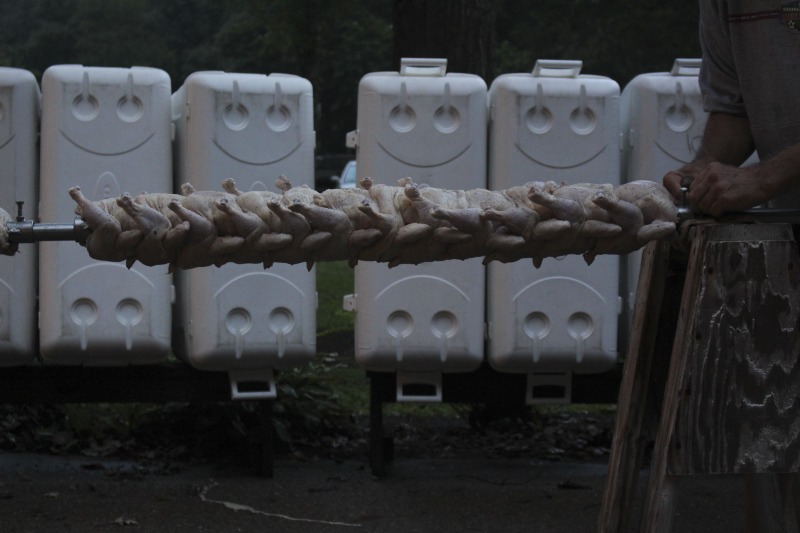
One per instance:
(462,31)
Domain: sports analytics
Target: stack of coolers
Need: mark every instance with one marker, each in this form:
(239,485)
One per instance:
(108,131)
(424,320)
(662,127)
(19,155)
(553,124)
(244,319)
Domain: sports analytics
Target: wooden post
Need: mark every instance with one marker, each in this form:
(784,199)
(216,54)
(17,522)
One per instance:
(627,445)
(731,401)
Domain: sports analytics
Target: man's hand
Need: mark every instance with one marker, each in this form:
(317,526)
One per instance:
(719,188)
(674,179)
(718,184)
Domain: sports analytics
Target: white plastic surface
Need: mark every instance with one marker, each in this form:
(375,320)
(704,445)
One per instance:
(662,124)
(253,128)
(662,121)
(19,156)
(431,126)
(560,126)
(107,130)
(422,320)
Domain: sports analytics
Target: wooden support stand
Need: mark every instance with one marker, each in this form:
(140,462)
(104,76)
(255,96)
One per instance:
(731,402)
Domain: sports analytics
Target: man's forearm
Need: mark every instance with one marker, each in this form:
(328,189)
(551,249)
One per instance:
(780,173)
(720,184)
(726,139)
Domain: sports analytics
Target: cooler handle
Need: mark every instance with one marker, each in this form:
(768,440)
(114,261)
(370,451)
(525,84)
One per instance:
(423,66)
(557,68)
(260,384)
(549,387)
(431,383)
(686,67)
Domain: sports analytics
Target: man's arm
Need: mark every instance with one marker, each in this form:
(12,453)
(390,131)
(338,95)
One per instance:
(726,140)
(719,184)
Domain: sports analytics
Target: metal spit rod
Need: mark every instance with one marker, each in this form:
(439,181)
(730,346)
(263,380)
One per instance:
(27,231)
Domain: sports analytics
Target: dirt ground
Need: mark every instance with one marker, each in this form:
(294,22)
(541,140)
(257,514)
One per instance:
(189,467)
(507,474)
(47,493)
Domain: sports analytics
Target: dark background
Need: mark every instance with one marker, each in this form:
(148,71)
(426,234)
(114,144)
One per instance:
(333,43)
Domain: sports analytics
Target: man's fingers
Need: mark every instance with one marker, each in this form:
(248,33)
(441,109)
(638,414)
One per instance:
(672,182)
(698,197)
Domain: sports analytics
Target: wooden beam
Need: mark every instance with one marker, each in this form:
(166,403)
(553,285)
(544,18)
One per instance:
(658,505)
(627,445)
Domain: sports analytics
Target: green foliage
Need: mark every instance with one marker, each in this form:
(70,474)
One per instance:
(97,429)
(98,420)
(308,411)
(334,280)
(120,33)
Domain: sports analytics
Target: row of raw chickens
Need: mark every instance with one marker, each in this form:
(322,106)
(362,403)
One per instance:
(404,224)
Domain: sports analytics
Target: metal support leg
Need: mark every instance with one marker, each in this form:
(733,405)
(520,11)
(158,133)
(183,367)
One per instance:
(377,452)
(263,446)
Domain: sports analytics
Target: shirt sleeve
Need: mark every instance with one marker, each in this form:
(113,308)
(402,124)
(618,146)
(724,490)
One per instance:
(719,82)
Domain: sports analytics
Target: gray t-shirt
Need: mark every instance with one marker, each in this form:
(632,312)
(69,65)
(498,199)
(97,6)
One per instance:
(751,67)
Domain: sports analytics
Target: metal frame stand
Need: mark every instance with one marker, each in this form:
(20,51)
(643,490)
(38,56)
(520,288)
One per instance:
(484,385)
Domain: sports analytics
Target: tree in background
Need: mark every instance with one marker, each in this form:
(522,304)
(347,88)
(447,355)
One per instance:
(333,43)
(35,35)
(614,38)
(462,31)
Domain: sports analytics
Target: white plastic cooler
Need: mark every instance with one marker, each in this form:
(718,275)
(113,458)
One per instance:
(662,125)
(19,126)
(241,318)
(553,124)
(420,321)
(107,130)
(662,120)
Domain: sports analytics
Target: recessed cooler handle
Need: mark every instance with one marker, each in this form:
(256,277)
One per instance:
(549,387)
(255,384)
(419,386)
